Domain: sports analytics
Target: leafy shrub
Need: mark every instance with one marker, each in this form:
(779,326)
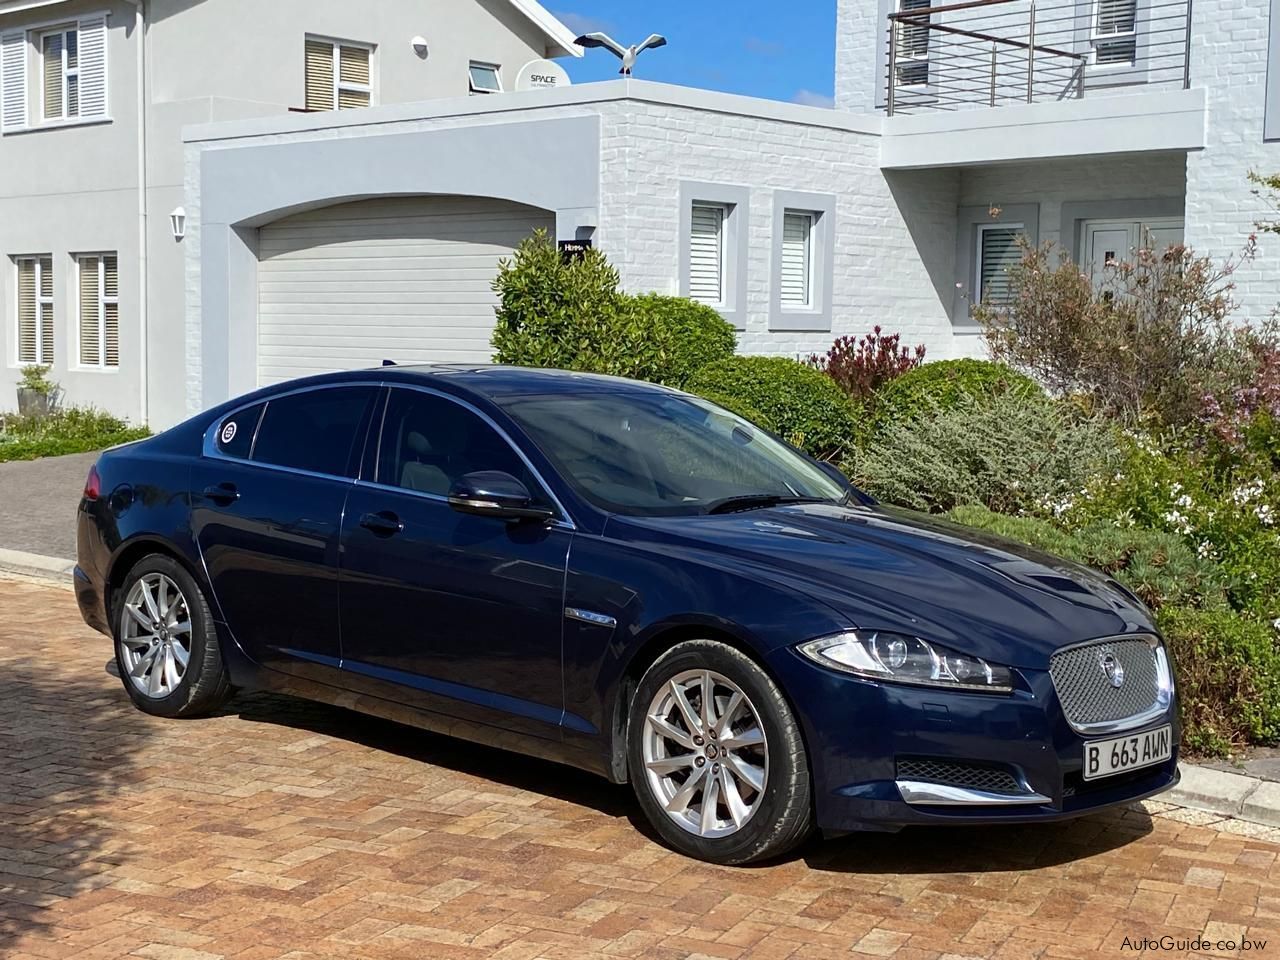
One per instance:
(694,334)
(1006,451)
(940,386)
(1228,669)
(572,316)
(800,403)
(863,365)
(738,405)
(73,430)
(1148,344)
(36,379)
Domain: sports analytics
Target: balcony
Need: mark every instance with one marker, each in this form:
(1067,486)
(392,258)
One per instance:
(993,53)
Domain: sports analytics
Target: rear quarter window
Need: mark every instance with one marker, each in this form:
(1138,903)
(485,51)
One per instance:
(316,430)
(235,432)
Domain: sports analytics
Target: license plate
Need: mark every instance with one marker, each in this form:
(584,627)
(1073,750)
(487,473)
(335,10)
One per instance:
(1103,758)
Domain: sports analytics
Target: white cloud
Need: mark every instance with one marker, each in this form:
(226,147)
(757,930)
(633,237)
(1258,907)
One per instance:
(811,98)
(581,23)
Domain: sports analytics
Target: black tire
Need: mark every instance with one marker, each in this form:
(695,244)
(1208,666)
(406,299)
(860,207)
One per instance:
(783,817)
(205,685)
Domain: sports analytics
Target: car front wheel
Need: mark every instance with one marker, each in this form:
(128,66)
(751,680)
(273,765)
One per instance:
(716,757)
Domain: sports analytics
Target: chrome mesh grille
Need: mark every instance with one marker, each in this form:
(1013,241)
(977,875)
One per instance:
(1086,692)
(959,774)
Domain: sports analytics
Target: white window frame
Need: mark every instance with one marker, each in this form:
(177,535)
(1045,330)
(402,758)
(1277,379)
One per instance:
(809,247)
(1097,39)
(339,86)
(42,359)
(983,228)
(103,302)
(484,65)
(66,73)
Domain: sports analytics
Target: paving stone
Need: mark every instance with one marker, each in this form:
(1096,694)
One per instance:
(282,829)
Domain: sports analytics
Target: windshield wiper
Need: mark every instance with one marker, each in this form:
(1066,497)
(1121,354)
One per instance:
(758,501)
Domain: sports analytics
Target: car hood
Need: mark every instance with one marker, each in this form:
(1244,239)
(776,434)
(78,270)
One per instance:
(889,569)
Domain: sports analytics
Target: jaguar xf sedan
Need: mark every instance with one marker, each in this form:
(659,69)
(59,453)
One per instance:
(627,579)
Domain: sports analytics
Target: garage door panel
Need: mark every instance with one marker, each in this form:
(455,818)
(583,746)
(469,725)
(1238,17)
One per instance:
(403,279)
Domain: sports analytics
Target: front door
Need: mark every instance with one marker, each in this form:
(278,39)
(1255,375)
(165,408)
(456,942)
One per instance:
(455,614)
(267,503)
(1109,241)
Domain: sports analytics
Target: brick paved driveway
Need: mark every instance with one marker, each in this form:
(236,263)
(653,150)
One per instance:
(285,830)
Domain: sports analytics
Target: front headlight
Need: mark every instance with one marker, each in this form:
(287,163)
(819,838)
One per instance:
(899,658)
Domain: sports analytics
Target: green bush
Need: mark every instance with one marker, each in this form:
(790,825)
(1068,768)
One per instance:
(1228,669)
(739,406)
(801,404)
(72,430)
(693,333)
(1008,451)
(941,385)
(570,315)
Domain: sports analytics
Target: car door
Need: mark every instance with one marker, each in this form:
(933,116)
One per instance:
(267,502)
(447,612)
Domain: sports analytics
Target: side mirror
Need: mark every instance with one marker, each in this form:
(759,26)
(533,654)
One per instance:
(493,493)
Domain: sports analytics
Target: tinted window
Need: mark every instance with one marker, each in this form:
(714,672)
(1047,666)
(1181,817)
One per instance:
(235,433)
(429,443)
(317,430)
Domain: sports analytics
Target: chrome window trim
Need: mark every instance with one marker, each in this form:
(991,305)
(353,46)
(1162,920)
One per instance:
(921,793)
(1164,688)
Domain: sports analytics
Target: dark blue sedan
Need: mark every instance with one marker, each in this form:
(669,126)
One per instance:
(627,579)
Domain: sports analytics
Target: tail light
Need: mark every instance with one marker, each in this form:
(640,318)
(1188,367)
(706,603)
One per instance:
(93,484)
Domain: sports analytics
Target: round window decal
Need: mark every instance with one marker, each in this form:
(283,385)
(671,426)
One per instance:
(229,432)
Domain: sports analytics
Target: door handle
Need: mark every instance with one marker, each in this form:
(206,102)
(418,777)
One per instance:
(384,524)
(222,493)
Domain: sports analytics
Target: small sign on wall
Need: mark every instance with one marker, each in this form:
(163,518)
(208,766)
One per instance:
(573,250)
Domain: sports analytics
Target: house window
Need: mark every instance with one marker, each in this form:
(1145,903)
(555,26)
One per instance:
(485,78)
(796,277)
(706,253)
(998,251)
(339,75)
(60,74)
(99,310)
(1115,32)
(913,46)
(35,310)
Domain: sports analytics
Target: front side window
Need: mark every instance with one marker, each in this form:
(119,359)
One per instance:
(60,74)
(998,253)
(339,75)
(658,454)
(429,443)
(317,430)
(706,253)
(99,308)
(1115,31)
(797,259)
(35,310)
(484,78)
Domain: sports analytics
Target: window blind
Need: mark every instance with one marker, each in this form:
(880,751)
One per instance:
(319,79)
(797,259)
(706,253)
(999,253)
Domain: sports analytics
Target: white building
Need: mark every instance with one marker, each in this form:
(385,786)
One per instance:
(339,239)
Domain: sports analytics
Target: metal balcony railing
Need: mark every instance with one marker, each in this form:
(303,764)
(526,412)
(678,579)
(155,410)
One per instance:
(988,53)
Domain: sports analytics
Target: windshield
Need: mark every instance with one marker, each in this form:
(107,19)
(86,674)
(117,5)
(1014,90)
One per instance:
(656,454)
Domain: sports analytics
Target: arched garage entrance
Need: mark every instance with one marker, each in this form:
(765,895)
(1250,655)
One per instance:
(400,278)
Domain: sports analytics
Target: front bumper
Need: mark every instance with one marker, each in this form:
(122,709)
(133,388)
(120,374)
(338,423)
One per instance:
(861,735)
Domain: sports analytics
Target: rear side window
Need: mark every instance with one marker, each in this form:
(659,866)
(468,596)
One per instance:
(235,433)
(316,431)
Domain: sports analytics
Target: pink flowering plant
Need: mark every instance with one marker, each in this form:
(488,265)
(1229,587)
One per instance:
(861,365)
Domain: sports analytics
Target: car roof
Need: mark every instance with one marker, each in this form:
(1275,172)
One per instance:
(499,382)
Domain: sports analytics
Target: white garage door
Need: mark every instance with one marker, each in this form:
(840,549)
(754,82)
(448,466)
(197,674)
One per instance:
(404,279)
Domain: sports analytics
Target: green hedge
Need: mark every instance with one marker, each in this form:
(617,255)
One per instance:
(941,385)
(801,404)
(73,430)
(693,333)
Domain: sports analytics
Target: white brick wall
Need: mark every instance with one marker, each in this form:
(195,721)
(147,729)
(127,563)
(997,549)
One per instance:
(857,55)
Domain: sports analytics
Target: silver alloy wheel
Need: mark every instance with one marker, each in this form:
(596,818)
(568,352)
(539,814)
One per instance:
(155,636)
(705,754)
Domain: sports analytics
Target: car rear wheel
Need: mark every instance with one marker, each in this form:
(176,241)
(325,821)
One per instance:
(716,757)
(166,646)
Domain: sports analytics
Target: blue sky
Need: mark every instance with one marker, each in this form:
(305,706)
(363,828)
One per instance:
(762,48)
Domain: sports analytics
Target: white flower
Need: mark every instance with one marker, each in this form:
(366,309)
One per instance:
(1205,550)
(1176,489)
(1184,501)
(1276,623)
(1265,514)
(1248,493)
(1178,521)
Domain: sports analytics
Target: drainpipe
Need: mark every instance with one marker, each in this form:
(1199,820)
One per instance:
(144,293)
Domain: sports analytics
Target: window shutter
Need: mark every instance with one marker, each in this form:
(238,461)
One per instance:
(111,311)
(90,301)
(92,44)
(13,80)
(353,69)
(999,254)
(46,310)
(797,243)
(319,70)
(706,254)
(51,72)
(27,311)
